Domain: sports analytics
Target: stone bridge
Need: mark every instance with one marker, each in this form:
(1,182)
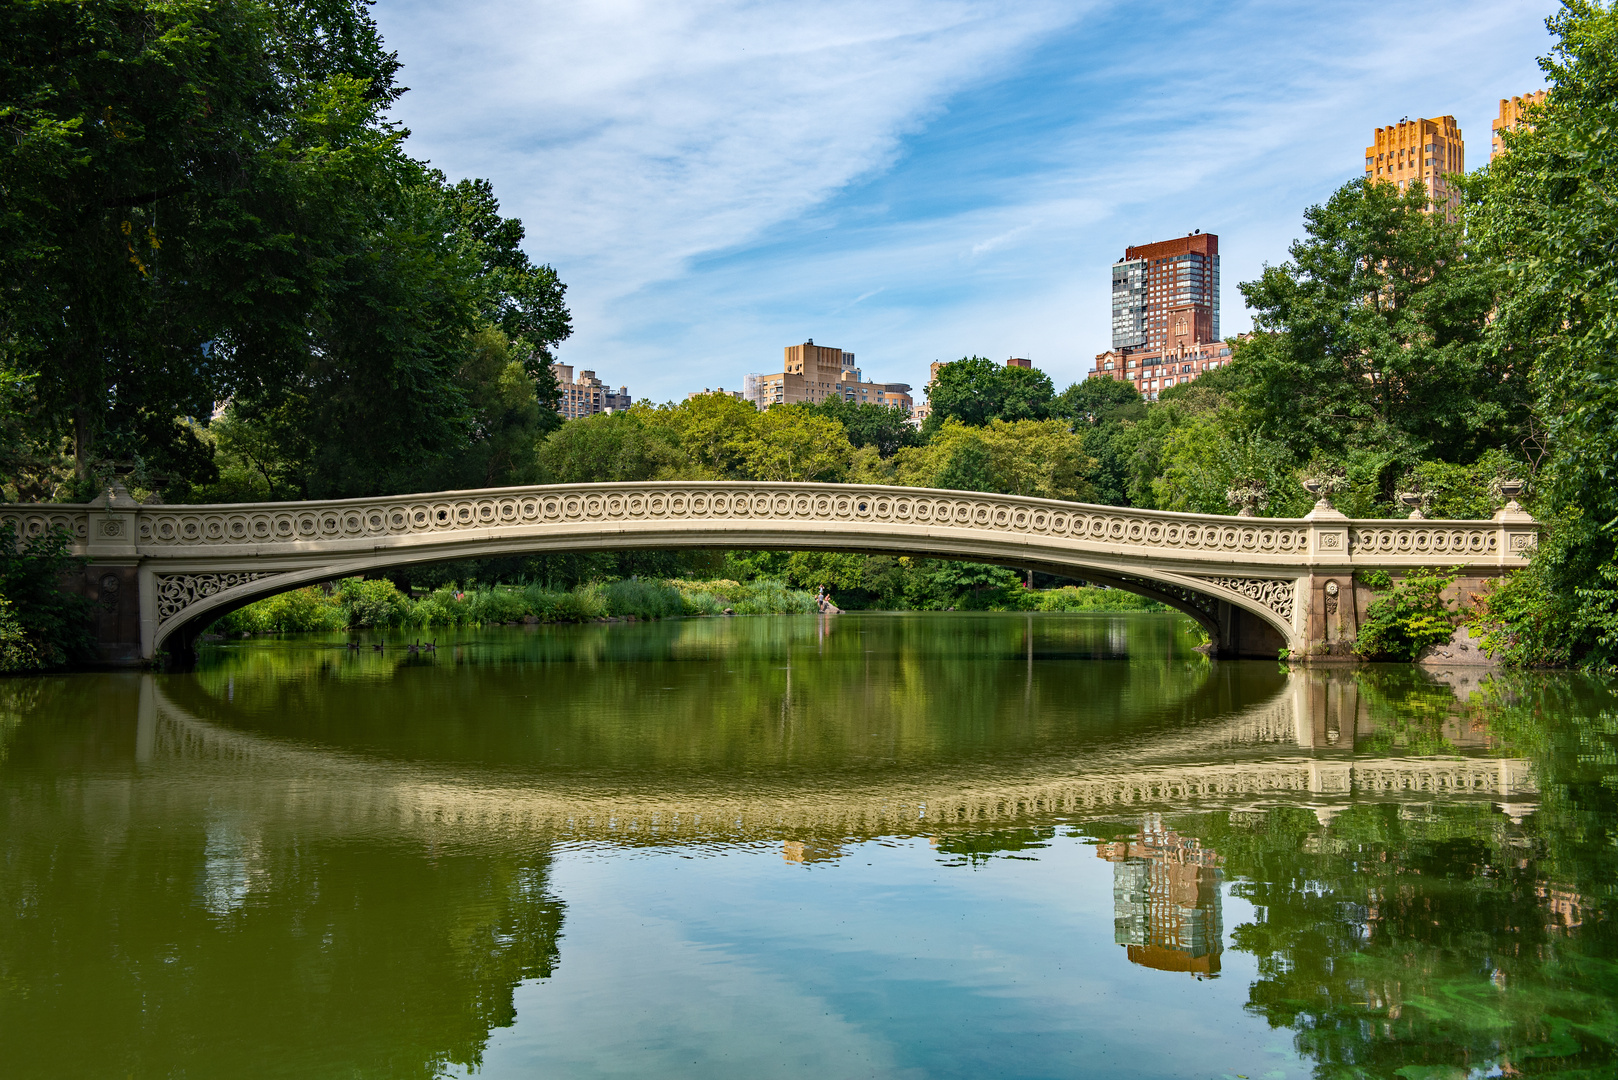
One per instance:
(160,574)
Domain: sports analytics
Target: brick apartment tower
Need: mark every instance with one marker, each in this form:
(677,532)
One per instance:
(1425,150)
(1165,314)
(1166,294)
(1510,118)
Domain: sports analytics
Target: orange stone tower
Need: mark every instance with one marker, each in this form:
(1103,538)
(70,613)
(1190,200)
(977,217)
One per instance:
(1427,150)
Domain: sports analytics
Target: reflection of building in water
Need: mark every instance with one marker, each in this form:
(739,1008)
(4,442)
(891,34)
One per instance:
(1165,893)
(1564,908)
(810,851)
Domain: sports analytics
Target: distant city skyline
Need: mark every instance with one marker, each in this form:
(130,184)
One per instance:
(919,181)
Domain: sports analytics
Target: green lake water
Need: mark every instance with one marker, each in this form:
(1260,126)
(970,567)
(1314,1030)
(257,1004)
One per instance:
(866,845)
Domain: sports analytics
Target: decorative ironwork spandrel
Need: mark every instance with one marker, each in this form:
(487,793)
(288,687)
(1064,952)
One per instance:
(1275,594)
(176,592)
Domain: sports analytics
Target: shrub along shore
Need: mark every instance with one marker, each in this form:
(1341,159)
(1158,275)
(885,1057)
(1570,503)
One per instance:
(356,603)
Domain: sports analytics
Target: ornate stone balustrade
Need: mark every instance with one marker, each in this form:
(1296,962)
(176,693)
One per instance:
(170,530)
(35,520)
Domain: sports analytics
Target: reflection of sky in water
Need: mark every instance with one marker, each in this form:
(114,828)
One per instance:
(226,867)
(883,962)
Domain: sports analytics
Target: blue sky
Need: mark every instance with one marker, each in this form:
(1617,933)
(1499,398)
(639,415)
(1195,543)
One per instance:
(912,180)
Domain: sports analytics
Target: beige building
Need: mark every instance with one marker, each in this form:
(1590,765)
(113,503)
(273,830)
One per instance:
(814,373)
(586,395)
(1427,150)
(1510,118)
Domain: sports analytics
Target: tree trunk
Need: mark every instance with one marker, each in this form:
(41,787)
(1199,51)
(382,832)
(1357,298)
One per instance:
(83,439)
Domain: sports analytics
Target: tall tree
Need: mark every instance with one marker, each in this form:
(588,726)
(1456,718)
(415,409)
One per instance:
(1547,217)
(206,202)
(974,391)
(137,135)
(885,427)
(1371,334)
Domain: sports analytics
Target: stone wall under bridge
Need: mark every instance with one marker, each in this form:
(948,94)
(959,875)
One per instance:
(158,575)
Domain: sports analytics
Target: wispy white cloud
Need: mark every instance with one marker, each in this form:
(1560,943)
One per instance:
(715,179)
(633,135)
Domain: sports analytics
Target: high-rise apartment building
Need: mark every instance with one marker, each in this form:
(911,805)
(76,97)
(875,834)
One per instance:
(1165,314)
(587,395)
(1510,118)
(812,373)
(1427,150)
(1166,293)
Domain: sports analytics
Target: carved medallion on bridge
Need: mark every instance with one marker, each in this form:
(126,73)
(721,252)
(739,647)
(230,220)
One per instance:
(1274,593)
(176,592)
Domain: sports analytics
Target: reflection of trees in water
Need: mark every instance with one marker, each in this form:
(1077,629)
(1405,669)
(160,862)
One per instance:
(735,695)
(1412,939)
(139,942)
(1445,936)
(220,939)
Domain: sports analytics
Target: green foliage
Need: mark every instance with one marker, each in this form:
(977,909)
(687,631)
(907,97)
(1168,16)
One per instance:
(1372,334)
(1040,458)
(644,599)
(1106,414)
(886,428)
(1463,491)
(358,603)
(792,442)
(1076,598)
(714,430)
(1545,216)
(208,203)
(969,587)
(835,571)
(975,391)
(295,611)
(372,603)
(54,625)
(613,447)
(1412,616)
(494,605)
(768,596)
(17,652)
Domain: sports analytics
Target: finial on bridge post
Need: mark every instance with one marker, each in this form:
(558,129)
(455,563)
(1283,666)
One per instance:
(1323,486)
(1509,490)
(1418,502)
(1246,496)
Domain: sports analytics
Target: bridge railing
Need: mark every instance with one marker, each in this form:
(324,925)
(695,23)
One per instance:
(120,526)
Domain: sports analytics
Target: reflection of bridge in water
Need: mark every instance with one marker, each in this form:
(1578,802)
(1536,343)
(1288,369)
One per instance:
(1295,749)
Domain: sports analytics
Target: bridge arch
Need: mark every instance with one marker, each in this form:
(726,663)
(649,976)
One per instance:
(1236,624)
(1261,627)
(1256,584)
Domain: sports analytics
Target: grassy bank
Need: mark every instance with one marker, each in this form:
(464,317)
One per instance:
(356,603)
